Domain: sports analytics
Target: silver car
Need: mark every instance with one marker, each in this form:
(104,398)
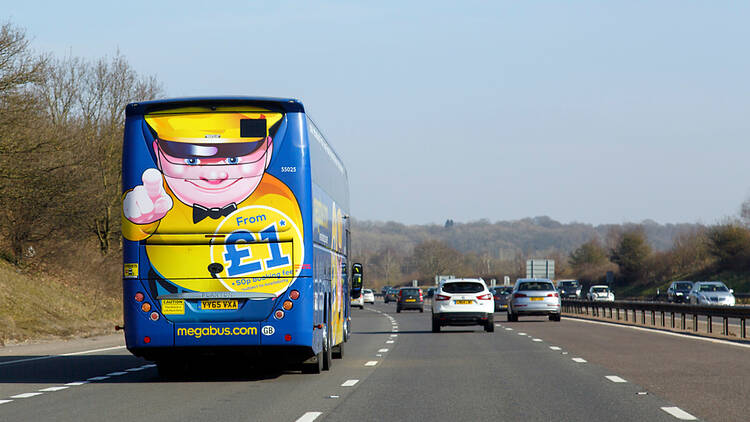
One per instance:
(534,296)
(711,293)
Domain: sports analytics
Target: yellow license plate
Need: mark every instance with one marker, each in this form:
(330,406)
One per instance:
(411,300)
(536,298)
(218,304)
(464,302)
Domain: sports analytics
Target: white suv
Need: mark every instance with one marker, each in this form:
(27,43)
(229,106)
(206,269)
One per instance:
(463,302)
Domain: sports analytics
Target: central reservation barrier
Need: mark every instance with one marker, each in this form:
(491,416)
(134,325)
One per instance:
(673,313)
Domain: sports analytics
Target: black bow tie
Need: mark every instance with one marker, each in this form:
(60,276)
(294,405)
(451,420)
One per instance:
(200,212)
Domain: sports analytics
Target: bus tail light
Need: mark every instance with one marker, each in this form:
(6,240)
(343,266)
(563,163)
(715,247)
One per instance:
(278,314)
(147,339)
(146,307)
(154,316)
(287,305)
(138,297)
(294,294)
(288,337)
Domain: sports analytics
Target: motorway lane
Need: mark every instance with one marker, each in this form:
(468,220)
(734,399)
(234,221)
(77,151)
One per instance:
(468,374)
(459,374)
(705,377)
(140,394)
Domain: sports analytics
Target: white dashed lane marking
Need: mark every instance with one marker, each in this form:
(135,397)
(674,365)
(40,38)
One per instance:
(25,395)
(115,374)
(521,334)
(537,339)
(554,348)
(390,342)
(309,417)
(97,378)
(77,383)
(614,378)
(382,350)
(5,401)
(371,363)
(51,389)
(349,383)
(679,413)
(394,335)
(579,360)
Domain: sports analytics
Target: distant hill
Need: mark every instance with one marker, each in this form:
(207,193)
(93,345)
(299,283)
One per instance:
(504,240)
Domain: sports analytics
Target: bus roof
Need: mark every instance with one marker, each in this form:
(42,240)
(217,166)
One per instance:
(289,105)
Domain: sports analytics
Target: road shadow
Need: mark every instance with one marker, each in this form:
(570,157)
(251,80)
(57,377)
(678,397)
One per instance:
(118,369)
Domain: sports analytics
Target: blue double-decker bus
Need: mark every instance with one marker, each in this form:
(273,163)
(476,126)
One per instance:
(235,233)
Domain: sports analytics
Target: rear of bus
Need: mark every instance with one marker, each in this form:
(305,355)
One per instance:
(216,205)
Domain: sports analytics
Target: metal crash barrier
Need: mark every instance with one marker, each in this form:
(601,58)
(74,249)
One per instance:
(631,311)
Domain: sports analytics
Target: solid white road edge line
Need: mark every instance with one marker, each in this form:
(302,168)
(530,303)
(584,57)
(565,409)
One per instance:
(349,383)
(679,413)
(614,378)
(64,354)
(669,333)
(309,417)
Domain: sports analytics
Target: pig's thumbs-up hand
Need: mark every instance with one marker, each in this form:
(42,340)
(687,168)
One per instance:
(148,202)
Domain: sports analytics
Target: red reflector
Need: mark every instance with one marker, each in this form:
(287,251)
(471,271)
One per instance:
(294,294)
(442,297)
(515,295)
(279,314)
(154,316)
(138,297)
(288,337)
(147,339)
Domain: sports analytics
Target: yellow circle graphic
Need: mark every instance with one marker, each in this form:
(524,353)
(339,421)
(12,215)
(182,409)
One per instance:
(262,250)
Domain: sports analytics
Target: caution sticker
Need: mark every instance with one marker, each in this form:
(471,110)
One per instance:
(173,307)
(130,270)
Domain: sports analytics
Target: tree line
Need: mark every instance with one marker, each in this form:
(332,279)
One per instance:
(61,126)
(395,254)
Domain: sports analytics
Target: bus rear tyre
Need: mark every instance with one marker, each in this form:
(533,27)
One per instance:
(327,354)
(337,352)
(313,365)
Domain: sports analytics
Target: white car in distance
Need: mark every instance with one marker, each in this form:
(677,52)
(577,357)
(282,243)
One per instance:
(463,301)
(369,296)
(600,293)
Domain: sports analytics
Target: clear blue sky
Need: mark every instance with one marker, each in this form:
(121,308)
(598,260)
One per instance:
(590,111)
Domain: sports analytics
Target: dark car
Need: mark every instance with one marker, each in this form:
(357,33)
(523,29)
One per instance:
(569,289)
(430,292)
(391,295)
(410,298)
(678,291)
(501,295)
